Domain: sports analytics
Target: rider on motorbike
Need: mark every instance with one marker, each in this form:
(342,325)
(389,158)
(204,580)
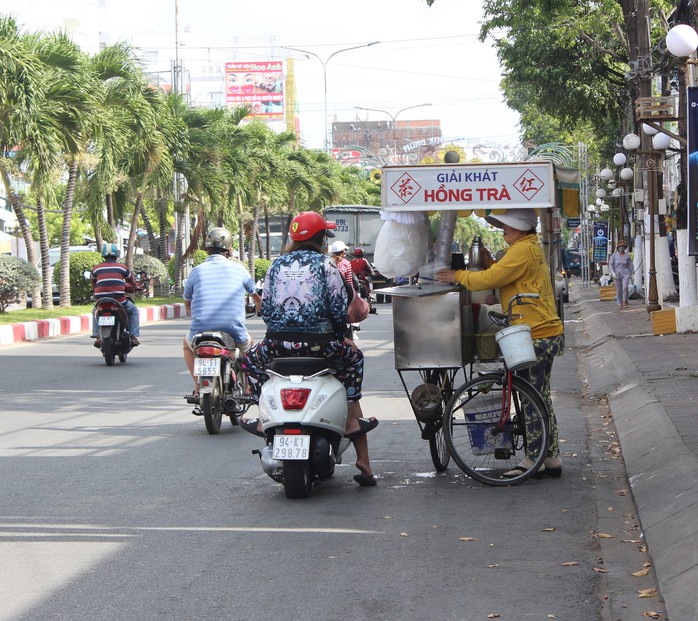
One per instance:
(111,279)
(304,304)
(214,295)
(363,271)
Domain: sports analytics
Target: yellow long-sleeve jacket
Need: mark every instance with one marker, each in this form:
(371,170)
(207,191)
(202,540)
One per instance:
(522,269)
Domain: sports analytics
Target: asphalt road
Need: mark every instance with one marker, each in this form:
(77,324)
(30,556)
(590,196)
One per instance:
(116,504)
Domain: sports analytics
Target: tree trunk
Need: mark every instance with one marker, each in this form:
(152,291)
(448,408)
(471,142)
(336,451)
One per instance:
(21,218)
(253,235)
(241,230)
(46,269)
(179,251)
(152,244)
(131,248)
(64,279)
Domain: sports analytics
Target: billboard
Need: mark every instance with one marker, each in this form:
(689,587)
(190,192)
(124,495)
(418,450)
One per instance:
(692,139)
(259,85)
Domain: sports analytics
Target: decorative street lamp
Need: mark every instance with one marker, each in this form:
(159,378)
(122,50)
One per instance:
(324,62)
(393,118)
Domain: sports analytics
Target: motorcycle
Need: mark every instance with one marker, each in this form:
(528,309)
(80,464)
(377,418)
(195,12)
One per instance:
(303,411)
(114,338)
(221,380)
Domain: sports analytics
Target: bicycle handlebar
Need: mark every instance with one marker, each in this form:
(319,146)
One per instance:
(505,320)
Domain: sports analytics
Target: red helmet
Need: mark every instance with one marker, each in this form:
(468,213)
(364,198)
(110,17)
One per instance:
(358,253)
(308,224)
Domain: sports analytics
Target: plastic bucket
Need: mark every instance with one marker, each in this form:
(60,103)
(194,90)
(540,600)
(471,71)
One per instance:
(516,345)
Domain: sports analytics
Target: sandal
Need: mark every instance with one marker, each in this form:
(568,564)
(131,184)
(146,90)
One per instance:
(365,481)
(365,425)
(250,425)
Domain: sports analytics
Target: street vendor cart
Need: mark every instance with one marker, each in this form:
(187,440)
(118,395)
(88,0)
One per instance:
(442,331)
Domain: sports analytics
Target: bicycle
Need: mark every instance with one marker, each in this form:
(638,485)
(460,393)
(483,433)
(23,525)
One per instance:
(497,421)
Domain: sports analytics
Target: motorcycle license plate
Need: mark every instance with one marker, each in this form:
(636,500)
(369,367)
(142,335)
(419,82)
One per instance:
(207,367)
(291,447)
(106,320)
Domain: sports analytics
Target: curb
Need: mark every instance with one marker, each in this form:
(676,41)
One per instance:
(60,326)
(660,467)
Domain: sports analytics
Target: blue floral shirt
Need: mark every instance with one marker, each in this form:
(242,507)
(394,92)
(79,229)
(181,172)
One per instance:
(304,294)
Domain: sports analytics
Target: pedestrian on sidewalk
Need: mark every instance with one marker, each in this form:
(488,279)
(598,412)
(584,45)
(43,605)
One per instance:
(621,267)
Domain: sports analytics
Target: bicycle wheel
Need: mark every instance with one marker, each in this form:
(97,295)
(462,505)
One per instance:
(482,449)
(440,455)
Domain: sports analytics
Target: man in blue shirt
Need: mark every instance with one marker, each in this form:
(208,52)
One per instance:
(214,295)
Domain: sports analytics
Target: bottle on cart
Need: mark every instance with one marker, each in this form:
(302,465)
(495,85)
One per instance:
(475,254)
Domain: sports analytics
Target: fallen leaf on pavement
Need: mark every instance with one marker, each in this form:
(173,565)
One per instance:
(605,536)
(639,574)
(404,534)
(569,563)
(652,614)
(548,530)
(601,570)
(493,615)
(468,539)
(648,592)
(493,566)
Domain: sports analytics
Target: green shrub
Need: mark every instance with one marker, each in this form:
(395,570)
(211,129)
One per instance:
(261,267)
(151,266)
(80,287)
(16,276)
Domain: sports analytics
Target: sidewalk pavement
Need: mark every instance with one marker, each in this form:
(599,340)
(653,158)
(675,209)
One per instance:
(650,383)
(46,328)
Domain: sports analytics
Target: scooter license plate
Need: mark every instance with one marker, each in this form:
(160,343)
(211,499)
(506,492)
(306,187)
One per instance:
(207,367)
(291,447)
(106,320)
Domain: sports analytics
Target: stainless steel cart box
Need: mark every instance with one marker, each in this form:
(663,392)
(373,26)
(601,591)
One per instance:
(432,326)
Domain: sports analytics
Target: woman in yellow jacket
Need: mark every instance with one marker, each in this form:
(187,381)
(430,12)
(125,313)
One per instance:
(523,269)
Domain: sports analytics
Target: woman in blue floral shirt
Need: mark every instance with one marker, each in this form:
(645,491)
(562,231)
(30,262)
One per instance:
(304,304)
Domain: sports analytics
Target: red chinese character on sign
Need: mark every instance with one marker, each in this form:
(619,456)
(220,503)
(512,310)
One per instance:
(405,188)
(528,184)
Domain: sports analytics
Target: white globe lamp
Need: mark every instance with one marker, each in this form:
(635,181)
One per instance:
(626,174)
(619,159)
(631,142)
(617,193)
(649,130)
(682,40)
(661,142)
(604,207)
(606,174)
(600,193)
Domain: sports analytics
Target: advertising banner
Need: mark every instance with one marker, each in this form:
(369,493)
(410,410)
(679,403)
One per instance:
(692,138)
(257,85)
(529,185)
(600,242)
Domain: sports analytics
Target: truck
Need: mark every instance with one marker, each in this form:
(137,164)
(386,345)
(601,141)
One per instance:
(358,227)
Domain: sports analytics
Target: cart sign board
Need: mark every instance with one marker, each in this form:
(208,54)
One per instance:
(527,185)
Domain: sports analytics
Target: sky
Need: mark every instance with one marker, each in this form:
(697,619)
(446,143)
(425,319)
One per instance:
(425,55)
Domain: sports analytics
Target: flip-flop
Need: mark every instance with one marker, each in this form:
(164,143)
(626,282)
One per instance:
(365,425)
(365,481)
(250,425)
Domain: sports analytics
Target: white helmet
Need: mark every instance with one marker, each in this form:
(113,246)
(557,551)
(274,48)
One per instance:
(337,247)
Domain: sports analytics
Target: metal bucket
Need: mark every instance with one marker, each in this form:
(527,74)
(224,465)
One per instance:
(516,345)
(426,402)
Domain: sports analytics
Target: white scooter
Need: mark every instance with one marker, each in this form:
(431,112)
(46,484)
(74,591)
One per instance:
(303,410)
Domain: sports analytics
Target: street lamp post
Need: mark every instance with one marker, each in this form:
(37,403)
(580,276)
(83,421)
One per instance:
(324,62)
(393,117)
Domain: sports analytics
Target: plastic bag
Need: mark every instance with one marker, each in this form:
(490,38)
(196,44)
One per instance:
(400,248)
